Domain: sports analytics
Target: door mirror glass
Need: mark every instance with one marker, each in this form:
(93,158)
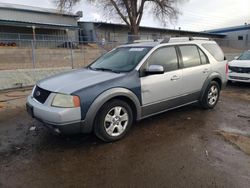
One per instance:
(155,69)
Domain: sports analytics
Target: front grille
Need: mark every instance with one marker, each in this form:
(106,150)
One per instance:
(239,69)
(40,94)
(238,78)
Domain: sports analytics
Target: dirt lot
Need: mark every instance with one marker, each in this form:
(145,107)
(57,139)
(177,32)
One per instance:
(187,147)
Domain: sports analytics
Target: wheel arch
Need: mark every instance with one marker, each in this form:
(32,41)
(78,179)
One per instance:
(114,93)
(128,101)
(218,80)
(212,77)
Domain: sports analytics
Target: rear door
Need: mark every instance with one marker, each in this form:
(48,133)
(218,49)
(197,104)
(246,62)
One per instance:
(196,69)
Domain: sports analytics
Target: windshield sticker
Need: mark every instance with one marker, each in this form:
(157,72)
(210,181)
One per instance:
(136,49)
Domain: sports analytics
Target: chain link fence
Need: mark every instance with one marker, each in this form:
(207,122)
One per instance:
(25,60)
(20,51)
(36,54)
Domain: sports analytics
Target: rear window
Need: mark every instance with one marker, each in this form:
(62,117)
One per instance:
(215,51)
(190,56)
(204,59)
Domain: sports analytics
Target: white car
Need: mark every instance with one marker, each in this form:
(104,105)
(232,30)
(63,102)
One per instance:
(239,69)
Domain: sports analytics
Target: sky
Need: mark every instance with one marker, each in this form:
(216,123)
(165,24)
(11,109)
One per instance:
(196,15)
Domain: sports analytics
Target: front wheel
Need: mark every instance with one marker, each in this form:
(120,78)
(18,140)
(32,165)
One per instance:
(211,95)
(113,121)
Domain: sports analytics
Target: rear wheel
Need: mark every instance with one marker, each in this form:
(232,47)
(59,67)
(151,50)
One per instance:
(113,121)
(211,95)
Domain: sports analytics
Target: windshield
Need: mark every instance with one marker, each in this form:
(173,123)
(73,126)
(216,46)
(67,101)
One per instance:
(245,56)
(122,59)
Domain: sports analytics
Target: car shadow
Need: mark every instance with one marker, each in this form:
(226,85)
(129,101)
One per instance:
(170,119)
(238,85)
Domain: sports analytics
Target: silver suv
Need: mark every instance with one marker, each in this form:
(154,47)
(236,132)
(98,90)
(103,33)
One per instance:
(130,83)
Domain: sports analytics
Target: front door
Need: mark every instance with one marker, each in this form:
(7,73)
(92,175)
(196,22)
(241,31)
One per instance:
(159,91)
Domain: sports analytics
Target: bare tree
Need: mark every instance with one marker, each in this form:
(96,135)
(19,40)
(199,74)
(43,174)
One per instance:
(131,11)
(65,5)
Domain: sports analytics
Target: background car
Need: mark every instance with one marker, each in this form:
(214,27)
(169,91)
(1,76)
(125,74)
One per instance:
(239,69)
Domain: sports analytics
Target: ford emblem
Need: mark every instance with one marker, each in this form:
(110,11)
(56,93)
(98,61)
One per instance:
(38,93)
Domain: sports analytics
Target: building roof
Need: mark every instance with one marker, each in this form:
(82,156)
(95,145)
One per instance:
(37,25)
(229,29)
(24,16)
(26,8)
(99,24)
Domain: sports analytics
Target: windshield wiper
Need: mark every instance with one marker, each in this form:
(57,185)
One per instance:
(104,69)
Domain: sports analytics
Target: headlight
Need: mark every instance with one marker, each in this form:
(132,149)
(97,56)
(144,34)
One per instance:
(66,101)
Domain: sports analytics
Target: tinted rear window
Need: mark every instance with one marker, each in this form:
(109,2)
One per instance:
(204,59)
(190,56)
(215,51)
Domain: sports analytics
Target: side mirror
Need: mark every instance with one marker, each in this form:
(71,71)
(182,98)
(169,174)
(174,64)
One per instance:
(236,57)
(155,69)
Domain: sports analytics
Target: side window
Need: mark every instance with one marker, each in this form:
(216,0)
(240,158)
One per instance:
(166,57)
(204,59)
(190,56)
(214,50)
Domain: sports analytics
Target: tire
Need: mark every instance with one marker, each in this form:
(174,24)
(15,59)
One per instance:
(211,95)
(113,121)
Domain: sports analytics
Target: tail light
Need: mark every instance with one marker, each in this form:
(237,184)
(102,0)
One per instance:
(227,70)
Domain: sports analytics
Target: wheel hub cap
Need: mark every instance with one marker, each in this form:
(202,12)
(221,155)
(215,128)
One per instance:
(213,95)
(116,121)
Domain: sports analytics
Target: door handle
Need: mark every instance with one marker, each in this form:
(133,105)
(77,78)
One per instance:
(205,71)
(175,77)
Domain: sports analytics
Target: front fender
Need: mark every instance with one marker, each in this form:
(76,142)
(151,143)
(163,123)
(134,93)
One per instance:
(103,98)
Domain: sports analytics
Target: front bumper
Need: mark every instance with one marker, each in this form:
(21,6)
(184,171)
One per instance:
(59,120)
(239,77)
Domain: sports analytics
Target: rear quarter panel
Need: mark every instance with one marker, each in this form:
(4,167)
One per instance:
(217,66)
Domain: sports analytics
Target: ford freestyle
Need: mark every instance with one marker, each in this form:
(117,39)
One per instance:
(129,83)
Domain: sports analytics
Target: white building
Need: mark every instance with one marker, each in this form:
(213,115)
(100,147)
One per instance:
(19,22)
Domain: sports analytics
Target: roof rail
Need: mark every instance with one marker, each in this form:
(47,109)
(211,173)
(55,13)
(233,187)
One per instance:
(174,39)
(171,39)
(198,38)
(181,39)
(141,41)
(165,40)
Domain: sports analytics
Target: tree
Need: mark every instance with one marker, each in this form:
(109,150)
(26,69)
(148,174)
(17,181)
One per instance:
(131,11)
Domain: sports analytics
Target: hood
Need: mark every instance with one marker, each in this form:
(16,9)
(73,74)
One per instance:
(74,80)
(240,63)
